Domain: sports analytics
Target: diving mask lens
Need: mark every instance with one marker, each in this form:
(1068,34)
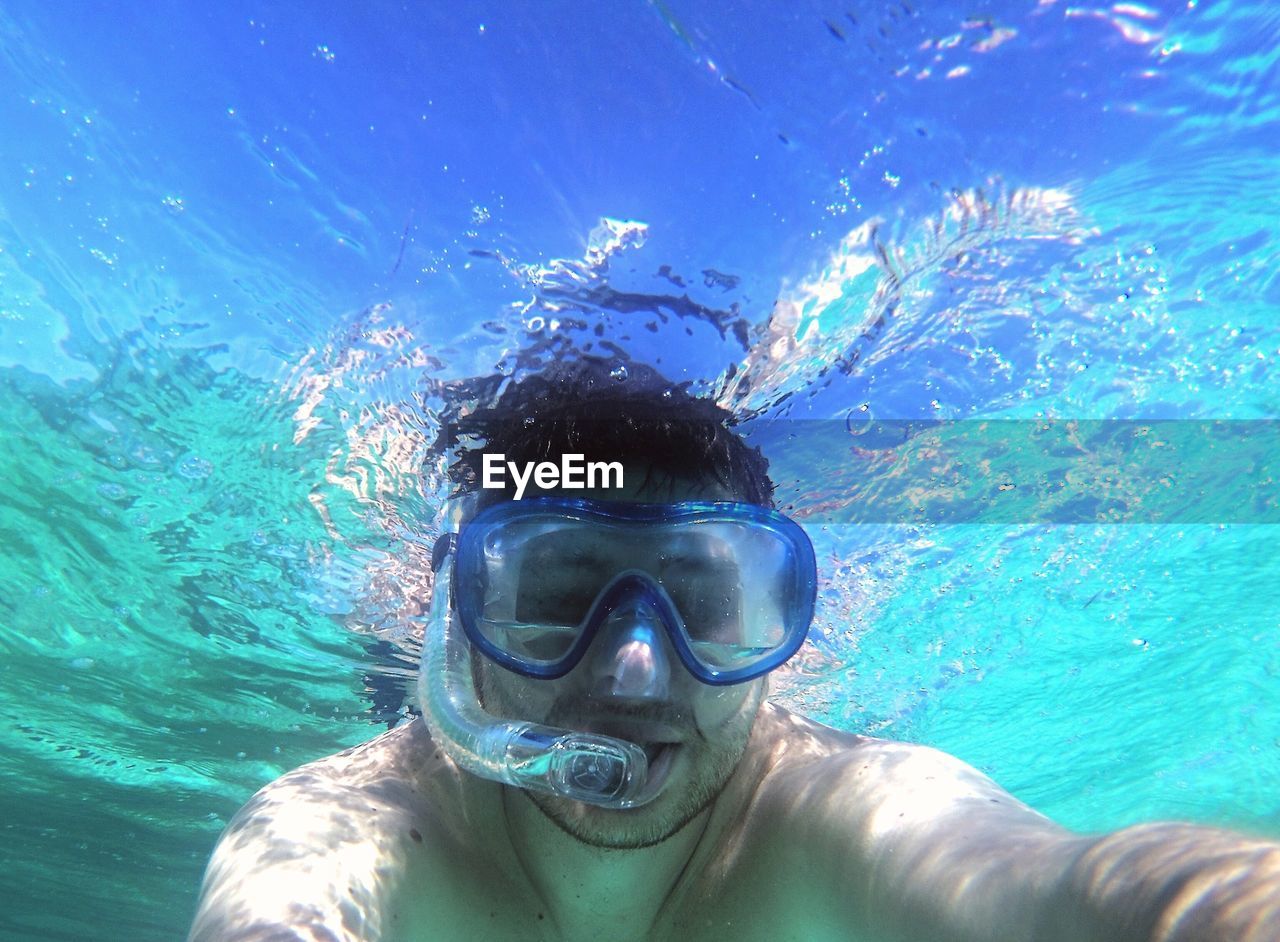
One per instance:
(733,583)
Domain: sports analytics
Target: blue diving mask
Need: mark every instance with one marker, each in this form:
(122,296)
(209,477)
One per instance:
(732,585)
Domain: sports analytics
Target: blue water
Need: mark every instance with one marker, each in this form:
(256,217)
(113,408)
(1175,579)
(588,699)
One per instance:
(247,254)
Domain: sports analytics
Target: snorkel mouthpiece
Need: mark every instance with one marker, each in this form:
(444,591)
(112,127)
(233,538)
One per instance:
(599,770)
(588,767)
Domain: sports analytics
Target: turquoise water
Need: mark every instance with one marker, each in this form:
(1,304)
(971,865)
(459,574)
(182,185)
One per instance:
(246,256)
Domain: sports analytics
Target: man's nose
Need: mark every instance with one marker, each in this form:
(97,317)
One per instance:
(630,658)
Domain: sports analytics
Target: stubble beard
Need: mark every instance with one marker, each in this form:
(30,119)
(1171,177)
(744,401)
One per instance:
(707,762)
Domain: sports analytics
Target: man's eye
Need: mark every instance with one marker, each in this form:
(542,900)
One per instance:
(711,600)
(710,612)
(551,605)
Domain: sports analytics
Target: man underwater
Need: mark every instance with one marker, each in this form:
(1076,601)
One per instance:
(599,760)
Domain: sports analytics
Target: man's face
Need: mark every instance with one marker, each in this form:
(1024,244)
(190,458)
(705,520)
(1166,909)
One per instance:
(632,685)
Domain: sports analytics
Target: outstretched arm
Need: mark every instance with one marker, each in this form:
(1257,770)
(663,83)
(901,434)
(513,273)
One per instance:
(1179,883)
(931,848)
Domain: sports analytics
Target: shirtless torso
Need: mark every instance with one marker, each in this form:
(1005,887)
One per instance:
(819,835)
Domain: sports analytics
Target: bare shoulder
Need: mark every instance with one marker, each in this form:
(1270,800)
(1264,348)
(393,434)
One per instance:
(910,842)
(348,796)
(316,853)
(870,775)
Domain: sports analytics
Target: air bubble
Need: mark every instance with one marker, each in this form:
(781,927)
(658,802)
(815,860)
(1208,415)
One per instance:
(195,468)
(619,373)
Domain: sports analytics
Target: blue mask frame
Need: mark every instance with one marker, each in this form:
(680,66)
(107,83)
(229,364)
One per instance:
(633,586)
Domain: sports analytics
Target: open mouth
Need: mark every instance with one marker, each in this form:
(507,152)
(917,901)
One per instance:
(660,756)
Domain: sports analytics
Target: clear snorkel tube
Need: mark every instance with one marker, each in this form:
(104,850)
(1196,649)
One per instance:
(587,767)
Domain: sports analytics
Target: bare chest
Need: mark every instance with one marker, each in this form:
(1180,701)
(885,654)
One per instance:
(500,922)
(466,904)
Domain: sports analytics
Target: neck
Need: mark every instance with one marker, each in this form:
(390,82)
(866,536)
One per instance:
(587,887)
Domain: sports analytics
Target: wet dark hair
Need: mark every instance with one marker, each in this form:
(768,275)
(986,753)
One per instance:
(604,412)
